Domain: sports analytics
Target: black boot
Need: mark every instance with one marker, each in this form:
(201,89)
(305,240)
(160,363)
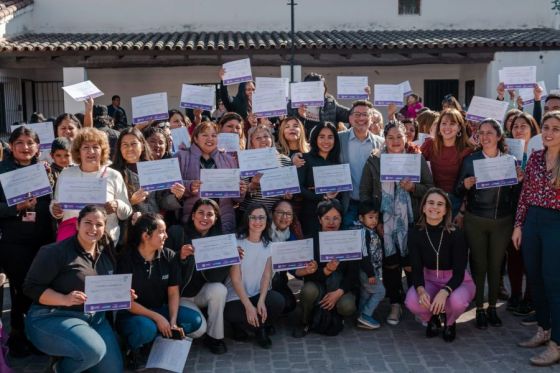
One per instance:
(262,338)
(481,320)
(513,302)
(493,318)
(18,345)
(433,327)
(449,333)
(216,346)
(239,334)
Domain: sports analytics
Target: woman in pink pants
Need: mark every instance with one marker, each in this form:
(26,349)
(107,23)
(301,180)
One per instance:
(438,254)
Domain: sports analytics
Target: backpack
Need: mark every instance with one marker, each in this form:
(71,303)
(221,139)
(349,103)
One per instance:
(326,322)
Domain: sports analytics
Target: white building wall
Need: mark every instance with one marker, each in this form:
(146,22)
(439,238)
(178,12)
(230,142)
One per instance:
(108,16)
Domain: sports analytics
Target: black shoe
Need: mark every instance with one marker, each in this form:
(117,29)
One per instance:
(493,318)
(513,303)
(216,346)
(239,334)
(262,338)
(529,320)
(449,333)
(270,330)
(481,320)
(524,309)
(300,331)
(133,359)
(434,326)
(18,346)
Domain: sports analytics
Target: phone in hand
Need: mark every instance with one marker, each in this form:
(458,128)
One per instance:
(177,333)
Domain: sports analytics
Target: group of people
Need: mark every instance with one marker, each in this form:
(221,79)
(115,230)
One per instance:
(432,229)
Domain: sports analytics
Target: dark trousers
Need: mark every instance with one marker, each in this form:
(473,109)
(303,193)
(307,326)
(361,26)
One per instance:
(280,284)
(392,277)
(234,312)
(15,260)
(541,254)
(516,270)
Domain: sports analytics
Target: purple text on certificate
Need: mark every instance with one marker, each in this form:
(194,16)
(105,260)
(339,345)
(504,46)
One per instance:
(160,186)
(111,306)
(281,192)
(341,256)
(496,183)
(225,194)
(334,188)
(288,266)
(217,263)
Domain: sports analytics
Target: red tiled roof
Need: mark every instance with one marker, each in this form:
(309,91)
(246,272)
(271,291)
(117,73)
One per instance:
(544,38)
(9,7)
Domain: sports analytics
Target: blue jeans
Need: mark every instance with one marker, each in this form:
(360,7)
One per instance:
(455,203)
(370,295)
(139,330)
(85,341)
(351,215)
(541,255)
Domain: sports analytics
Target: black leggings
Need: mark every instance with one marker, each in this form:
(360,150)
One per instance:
(280,284)
(392,277)
(234,312)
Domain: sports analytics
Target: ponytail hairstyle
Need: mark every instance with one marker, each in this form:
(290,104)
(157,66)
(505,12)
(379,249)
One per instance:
(146,223)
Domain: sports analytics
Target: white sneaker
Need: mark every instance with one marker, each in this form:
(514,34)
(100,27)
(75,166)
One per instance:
(395,315)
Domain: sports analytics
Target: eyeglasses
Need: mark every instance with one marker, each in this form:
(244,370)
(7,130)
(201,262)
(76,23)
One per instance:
(257,217)
(284,214)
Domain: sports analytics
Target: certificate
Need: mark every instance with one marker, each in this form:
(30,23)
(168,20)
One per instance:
(149,107)
(25,183)
(351,87)
(254,160)
(279,181)
(169,354)
(82,91)
(198,97)
(395,167)
(237,71)
(291,254)
(340,245)
(180,136)
(75,192)
(44,130)
(107,292)
(422,138)
(269,103)
(519,76)
(335,178)
(216,251)
(516,147)
(266,83)
(385,94)
(159,175)
(219,182)
(406,88)
(307,94)
(482,108)
(528,95)
(535,144)
(495,172)
(228,142)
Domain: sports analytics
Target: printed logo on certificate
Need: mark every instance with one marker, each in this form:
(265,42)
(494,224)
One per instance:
(340,245)
(107,292)
(215,252)
(291,254)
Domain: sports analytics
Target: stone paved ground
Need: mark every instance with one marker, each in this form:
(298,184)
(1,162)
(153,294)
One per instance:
(403,348)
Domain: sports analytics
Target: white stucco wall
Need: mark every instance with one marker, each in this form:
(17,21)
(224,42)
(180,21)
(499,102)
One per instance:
(76,16)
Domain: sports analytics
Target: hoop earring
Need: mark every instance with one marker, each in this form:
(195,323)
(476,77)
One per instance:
(459,134)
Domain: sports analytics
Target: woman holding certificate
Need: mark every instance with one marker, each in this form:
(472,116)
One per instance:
(292,139)
(438,253)
(155,279)
(67,125)
(325,151)
(90,152)
(56,322)
(536,234)
(233,123)
(488,220)
(204,154)
(330,285)
(241,103)
(250,302)
(400,201)
(24,227)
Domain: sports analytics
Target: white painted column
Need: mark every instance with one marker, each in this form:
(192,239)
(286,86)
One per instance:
(73,75)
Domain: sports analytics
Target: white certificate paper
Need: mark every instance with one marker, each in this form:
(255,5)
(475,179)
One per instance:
(528,95)
(169,354)
(395,167)
(228,142)
(82,91)
(216,251)
(198,97)
(219,183)
(340,245)
(307,94)
(75,193)
(385,94)
(107,292)
(44,130)
(516,147)
(535,144)
(25,183)
(237,71)
(267,83)
(335,178)
(406,88)
(422,138)
(252,161)
(269,103)
(482,108)
(149,107)
(495,172)
(159,175)
(279,181)
(291,254)
(519,76)
(180,136)
(351,87)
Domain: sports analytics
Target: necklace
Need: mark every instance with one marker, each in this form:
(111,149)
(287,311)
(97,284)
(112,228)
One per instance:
(434,248)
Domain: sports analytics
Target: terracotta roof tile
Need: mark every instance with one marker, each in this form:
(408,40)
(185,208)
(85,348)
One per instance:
(9,7)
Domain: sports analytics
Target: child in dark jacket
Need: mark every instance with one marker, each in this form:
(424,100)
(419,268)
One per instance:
(60,153)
